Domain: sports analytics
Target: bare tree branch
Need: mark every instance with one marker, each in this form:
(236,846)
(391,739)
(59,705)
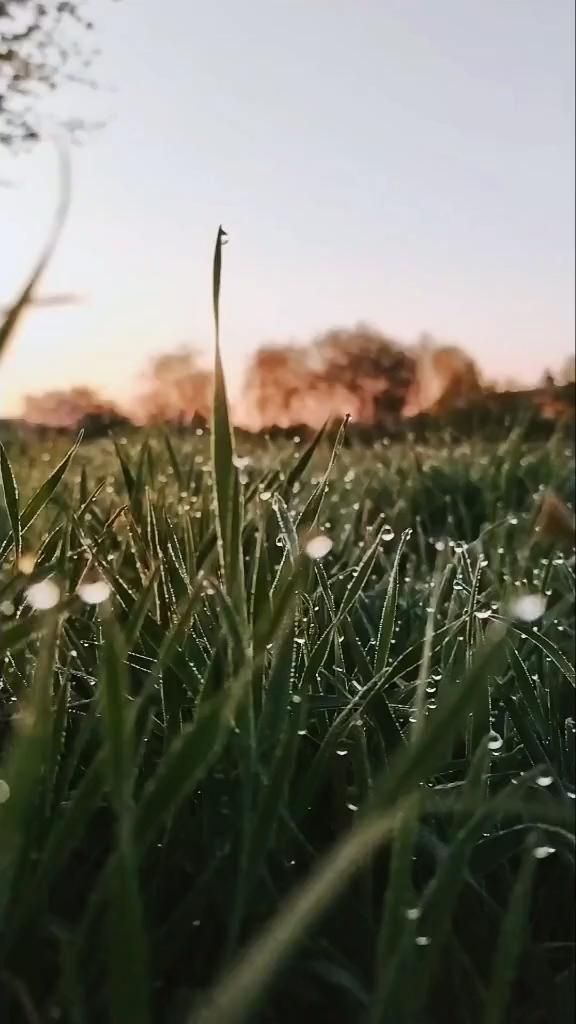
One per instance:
(42,46)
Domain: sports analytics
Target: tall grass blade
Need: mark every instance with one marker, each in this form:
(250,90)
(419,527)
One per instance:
(227,492)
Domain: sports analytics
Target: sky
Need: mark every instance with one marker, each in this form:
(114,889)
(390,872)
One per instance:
(406,163)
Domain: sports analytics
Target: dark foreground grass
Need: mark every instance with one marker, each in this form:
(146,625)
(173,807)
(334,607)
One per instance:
(252,784)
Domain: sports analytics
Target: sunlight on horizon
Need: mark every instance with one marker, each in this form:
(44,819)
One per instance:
(412,169)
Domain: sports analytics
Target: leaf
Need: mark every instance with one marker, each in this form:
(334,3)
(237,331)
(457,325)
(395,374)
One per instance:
(287,530)
(239,991)
(128,976)
(65,836)
(227,492)
(184,764)
(309,515)
(398,896)
(546,645)
(235,997)
(25,762)
(388,618)
(42,496)
(11,498)
(127,473)
(303,462)
(359,578)
(510,943)
(117,741)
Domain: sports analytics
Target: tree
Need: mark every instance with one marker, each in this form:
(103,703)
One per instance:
(277,378)
(355,371)
(372,371)
(78,406)
(567,374)
(178,389)
(43,43)
(446,378)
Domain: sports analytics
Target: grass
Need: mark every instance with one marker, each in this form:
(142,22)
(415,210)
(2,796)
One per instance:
(251,785)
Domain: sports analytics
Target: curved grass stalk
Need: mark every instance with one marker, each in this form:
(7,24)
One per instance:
(14,314)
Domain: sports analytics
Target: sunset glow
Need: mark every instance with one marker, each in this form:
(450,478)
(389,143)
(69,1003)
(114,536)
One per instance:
(411,167)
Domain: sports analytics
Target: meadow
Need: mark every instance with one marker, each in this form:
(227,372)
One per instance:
(287,730)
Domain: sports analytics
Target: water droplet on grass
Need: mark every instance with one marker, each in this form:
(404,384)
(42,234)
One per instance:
(43,595)
(544,781)
(94,591)
(26,564)
(541,852)
(318,547)
(413,913)
(528,607)
(495,741)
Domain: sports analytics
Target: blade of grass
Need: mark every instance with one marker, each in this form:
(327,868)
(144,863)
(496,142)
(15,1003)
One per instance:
(388,618)
(128,975)
(237,994)
(227,493)
(11,498)
(42,496)
(15,313)
(510,943)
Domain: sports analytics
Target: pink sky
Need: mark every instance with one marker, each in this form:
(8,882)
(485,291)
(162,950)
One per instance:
(402,163)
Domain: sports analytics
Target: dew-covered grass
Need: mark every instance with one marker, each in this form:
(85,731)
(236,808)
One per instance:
(334,780)
(286,731)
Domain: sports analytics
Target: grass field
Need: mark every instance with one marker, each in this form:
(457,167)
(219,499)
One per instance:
(285,733)
(252,783)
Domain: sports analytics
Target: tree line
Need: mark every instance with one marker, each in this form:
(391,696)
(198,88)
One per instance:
(356,371)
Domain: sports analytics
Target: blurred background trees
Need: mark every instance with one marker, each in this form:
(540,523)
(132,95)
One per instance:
(445,378)
(567,374)
(177,390)
(77,407)
(355,371)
